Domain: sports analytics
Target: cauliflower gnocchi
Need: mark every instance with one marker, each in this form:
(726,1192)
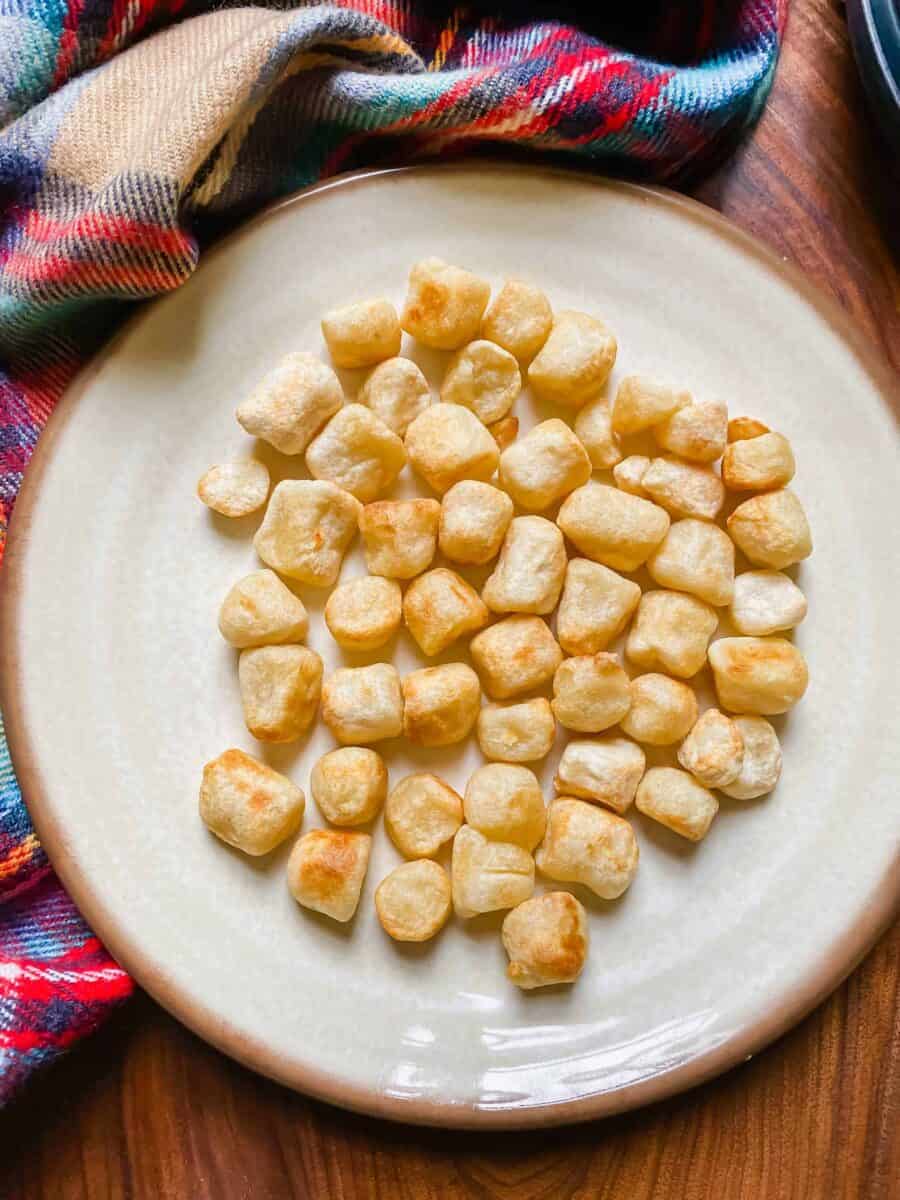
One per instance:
(698,432)
(399,536)
(504,802)
(362,334)
(642,402)
(771,529)
(684,489)
(696,557)
(588,845)
(363,704)
(544,466)
(487,876)
(714,750)
(327,869)
(614,528)
(519,320)
(515,656)
(529,574)
(364,613)
(280,690)
(590,693)
(575,360)
(758,464)
(306,530)
(596,606)
(761,762)
(606,769)
(235,489)
(292,403)
(678,801)
(444,304)
(439,607)
(765,602)
(349,785)
(630,472)
(662,710)
(421,814)
(440,704)
(593,427)
(261,611)
(358,452)
(474,519)
(413,902)
(671,631)
(484,378)
(763,676)
(516,733)
(546,940)
(247,804)
(447,443)
(396,391)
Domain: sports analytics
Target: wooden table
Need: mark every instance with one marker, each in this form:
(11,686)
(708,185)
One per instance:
(145,1110)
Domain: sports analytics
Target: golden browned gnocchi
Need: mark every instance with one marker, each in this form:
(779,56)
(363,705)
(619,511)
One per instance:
(362,334)
(575,361)
(440,704)
(447,443)
(758,464)
(421,814)
(745,427)
(396,391)
(474,519)
(662,710)
(247,804)
(280,690)
(349,785)
(306,530)
(516,733)
(593,427)
(596,606)
(696,557)
(606,769)
(444,304)
(684,489)
(326,871)
(714,750)
(588,845)
(763,676)
(358,452)
(544,466)
(630,472)
(504,432)
(364,613)
(698,432)
(515,655)
(260,610)
(399,536)
(761,761)
(504,802)
(292,403)
(413,902)
(519,320)
(363,704)
(235,489)
(546,939)
(771,529)
(642,402)
(531,568)
(590,692)
(486,875)
(765,602)
(671,631)
(678,801)
(484,378)
(439,607)
(614,528)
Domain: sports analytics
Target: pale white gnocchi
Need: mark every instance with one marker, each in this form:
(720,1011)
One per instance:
(671,631)
(529,574)
(713,751)
(396,391)
(696,557)
(439,607)
(358,452)
(595,607)
(364,613)
(677,800)
(260,610)
(758,464)
(586,844)
(487,875)
(504,802)
(515,655)
(593,427)
(642,402)
(444,304)
(519,319)
(474,519)
(545,465)
(363,704)
(306,530)
(761,761)
(518,732)
(280,690)
(684,489)
(422,813)
(765,602)
(447,443)
(292,403)
(591,692)
(611,526)
(606,770)
(235,489)
(575,360)
(247,804)
(399,536)
(771,529)
(698,432)
(440,704)
(414,901)
(482,377)
(349,785)
(362,334)
(763,676)
(662,710)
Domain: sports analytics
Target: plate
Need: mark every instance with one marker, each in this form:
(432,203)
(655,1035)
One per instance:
(117,686)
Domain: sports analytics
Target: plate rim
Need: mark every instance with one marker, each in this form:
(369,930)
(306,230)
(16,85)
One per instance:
(838,960)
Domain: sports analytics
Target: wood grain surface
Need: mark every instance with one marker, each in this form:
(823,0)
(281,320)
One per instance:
(146,1110)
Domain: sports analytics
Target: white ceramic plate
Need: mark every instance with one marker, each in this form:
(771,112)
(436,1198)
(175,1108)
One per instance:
(117,686)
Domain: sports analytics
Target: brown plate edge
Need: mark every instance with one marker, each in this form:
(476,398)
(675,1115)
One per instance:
(837,963)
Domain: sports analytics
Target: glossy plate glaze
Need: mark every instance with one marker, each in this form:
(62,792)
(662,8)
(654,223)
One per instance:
(117,687)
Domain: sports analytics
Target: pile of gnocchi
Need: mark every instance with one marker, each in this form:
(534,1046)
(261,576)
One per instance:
(618,482)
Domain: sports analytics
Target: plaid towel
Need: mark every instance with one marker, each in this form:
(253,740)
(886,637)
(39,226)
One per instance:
(122,153)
